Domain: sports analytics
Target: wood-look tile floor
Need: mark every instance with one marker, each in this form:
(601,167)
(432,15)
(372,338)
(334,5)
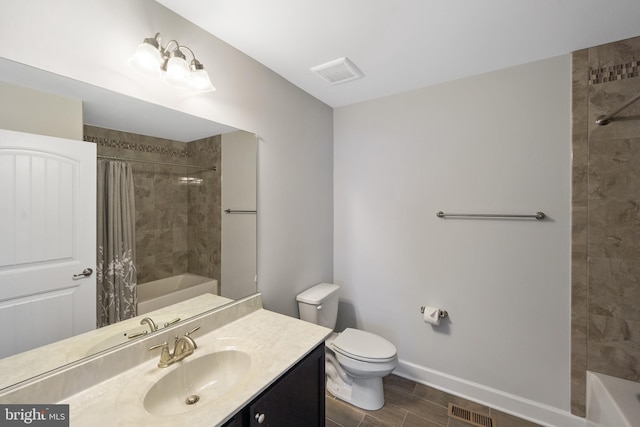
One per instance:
(410,404)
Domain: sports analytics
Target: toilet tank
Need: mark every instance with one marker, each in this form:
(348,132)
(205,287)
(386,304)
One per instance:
(319,304)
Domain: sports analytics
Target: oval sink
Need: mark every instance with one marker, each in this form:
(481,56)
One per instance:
(197,382)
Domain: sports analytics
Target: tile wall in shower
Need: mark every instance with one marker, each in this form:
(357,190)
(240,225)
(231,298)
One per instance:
(177,206)
(605,216)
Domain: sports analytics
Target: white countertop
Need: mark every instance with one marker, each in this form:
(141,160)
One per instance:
(275,343)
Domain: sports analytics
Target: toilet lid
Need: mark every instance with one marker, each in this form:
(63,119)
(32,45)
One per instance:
(363,345)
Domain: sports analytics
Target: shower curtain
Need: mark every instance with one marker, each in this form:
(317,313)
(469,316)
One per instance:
(116,275)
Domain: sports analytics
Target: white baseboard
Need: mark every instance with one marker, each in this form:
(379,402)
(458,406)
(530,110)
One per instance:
(514,405)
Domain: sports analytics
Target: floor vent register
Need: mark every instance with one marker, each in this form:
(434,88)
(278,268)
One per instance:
(472,417)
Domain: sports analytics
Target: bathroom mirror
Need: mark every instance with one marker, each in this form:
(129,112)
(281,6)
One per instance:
(109,116)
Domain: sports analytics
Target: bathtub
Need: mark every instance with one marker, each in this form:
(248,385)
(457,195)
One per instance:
(612,402)
(164,292)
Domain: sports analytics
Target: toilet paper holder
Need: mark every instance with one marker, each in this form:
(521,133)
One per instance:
(441,313)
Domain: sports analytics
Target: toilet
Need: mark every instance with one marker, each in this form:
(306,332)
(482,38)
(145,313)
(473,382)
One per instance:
(356,360)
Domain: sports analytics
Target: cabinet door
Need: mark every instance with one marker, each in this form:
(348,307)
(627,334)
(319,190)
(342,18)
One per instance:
(296,399)
(236,421)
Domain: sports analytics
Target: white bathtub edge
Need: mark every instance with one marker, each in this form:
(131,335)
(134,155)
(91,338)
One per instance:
(611,401)
(174,294)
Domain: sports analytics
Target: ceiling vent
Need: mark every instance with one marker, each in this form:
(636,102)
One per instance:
(338,71)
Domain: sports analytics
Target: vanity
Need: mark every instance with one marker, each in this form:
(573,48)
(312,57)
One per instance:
(249,367)
(295,399)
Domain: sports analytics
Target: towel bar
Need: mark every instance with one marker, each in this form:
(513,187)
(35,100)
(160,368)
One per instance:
(537,215)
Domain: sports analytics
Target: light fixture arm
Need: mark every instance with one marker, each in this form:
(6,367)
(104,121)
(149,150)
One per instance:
(195,64)
(192,54)
(165,50)
(155,41)
(168,53)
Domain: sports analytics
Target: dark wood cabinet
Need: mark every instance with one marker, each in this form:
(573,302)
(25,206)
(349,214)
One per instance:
(296,398)
(236,421)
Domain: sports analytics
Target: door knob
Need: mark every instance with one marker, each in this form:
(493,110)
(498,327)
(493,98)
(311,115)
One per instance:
(260,418)
(85,273)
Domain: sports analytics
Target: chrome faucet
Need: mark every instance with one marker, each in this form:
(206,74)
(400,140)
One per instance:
(183,347)
(152,325)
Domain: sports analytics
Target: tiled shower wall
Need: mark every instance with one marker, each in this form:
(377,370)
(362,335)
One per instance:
(605,216)
(177,207)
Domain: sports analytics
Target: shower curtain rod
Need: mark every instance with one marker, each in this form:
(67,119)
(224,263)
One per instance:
(124,159)
(608,118)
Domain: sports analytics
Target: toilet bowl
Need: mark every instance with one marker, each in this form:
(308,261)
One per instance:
(356,360)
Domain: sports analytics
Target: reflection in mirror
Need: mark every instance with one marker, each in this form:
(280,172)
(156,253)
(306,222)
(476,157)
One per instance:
(182,231)
(177,219)
(26,365)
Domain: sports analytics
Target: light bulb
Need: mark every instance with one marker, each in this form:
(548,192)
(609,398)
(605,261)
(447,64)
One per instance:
(178,73)
(147,58)
(200,81)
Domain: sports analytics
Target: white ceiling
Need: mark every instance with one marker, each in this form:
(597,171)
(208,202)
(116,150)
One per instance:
(402,45)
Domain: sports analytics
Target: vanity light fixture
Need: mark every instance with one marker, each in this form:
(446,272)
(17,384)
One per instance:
(170,63)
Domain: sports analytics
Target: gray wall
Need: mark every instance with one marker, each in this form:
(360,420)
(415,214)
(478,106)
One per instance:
(497,142)
(26,110)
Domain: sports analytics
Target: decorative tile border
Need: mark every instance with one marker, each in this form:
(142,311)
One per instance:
(199,150)
(614,72)
(150,148)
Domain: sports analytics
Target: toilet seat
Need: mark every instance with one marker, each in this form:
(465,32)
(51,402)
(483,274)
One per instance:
(364,346)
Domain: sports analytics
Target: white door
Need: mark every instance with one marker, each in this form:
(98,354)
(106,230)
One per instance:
(47,239)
